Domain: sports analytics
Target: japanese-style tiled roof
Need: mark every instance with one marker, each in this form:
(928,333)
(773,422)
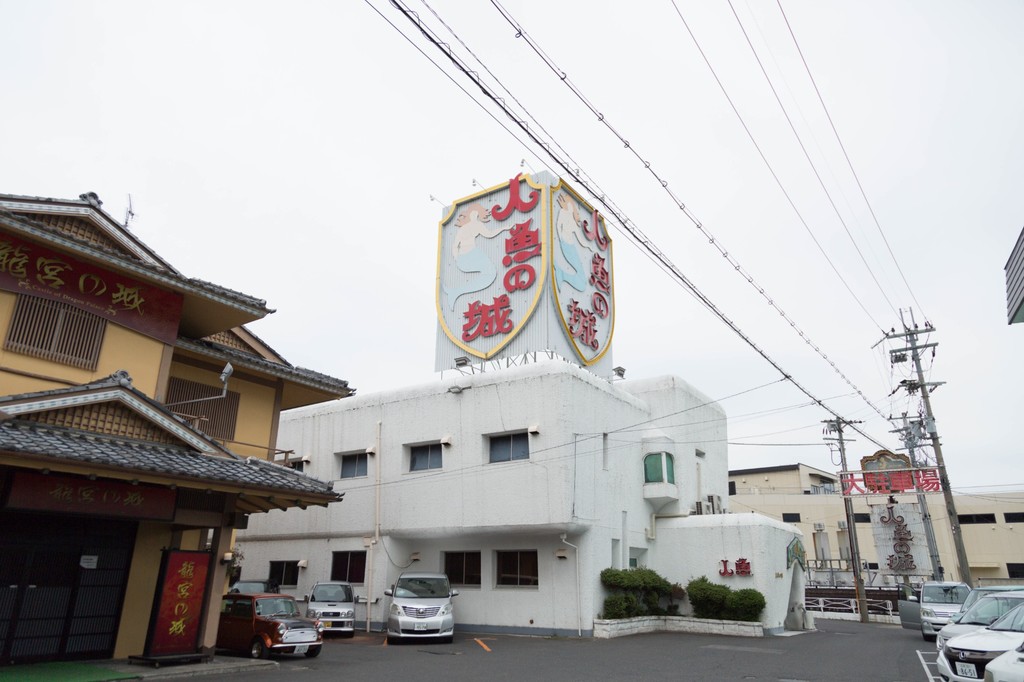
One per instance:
(189,459)
(167,276)
(193,469)
(308,377)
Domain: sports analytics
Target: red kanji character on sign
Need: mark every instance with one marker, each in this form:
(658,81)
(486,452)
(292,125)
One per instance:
(901,480)
(742,567)
(851,484)
(599,274)
(582,325)
(725,570)
(487,320)
(928,480)
(515,202)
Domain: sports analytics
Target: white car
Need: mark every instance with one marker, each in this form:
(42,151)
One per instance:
(1008,667)
(332,602)
(930,606)
(981,613)
(965,658)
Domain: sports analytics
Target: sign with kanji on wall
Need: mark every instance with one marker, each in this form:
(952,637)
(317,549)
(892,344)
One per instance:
(890,481)
(178,607)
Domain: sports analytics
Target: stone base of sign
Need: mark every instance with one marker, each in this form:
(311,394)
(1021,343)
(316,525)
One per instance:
(607,629)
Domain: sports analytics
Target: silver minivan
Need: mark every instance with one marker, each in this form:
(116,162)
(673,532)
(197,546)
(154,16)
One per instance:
(332,602)
(421,607)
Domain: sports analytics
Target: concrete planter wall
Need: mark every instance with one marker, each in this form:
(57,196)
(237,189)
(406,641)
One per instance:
(606,629)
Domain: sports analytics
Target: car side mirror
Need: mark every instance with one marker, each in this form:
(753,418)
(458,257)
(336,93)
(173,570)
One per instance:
(388,592)
(955,618)
(911,598)
(455,593)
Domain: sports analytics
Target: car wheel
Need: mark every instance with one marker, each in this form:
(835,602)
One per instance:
(392,640)
(313,652)
(258,649)
(928,638)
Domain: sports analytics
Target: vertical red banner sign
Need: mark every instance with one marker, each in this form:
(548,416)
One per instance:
(178,607)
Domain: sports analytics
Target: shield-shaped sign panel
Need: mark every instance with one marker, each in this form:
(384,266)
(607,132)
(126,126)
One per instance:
(581,265)
(492,264)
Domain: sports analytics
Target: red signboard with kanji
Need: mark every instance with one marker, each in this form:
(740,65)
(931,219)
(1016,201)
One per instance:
(101,497)
(891,481)
(174,629)
(28,268)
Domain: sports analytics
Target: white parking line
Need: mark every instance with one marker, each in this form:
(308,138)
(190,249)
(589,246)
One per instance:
(933,655)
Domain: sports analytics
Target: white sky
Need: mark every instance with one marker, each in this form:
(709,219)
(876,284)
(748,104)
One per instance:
(290,151)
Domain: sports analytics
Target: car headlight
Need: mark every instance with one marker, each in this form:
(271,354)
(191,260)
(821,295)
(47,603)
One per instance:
(312,613)
(281,628)
(396,610)
(445,610)
(927,613)
(319,626)
(348,614)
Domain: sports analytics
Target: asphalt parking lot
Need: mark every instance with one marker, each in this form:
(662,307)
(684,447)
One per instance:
(837,650)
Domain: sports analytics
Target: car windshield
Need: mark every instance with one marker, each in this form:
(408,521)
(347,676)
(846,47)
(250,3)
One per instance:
(987,609)
(331,593)
(422,587)
(276,606)
(1012,621)
(945,594)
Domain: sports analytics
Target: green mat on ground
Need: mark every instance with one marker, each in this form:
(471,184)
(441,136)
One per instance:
(60,672)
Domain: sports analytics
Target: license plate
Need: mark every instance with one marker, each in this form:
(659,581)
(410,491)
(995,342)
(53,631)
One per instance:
(420,626)
(966,669)
(326,623)
(301,648)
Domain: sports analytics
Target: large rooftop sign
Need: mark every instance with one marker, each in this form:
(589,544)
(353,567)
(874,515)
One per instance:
(522,267)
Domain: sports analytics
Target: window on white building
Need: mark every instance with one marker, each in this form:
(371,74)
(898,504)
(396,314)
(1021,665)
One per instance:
(462,568)
(659,468)
(353,466)
(510,446)
(350,566)
(423,457)
(284,573)
(517,568)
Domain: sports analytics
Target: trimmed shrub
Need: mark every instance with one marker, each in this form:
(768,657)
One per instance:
(707,598)
(619,605)
(746,604)
(641,588)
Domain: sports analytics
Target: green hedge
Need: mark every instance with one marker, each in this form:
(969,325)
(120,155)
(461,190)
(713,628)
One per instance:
(710,600)
(637,592)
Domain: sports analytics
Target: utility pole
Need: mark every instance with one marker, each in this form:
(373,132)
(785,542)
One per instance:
(836,426)
(911,335)
(909,436)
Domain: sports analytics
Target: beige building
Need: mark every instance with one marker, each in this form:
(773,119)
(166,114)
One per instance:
(138,430)
(992,526)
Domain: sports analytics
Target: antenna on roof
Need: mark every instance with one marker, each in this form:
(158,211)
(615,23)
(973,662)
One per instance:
(129,213)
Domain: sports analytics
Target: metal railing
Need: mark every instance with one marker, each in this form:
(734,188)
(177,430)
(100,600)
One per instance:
(882,607)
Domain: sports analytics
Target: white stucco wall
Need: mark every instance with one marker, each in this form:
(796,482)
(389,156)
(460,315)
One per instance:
(584,478)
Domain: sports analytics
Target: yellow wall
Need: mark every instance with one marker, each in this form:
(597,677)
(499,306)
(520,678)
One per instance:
(138,599)
(256,415)
(122,348)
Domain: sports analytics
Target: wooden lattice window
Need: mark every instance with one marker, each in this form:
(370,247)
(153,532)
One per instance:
(203,407)
(55,331)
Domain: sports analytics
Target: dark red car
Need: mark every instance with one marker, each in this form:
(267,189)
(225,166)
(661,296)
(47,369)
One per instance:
(262,624)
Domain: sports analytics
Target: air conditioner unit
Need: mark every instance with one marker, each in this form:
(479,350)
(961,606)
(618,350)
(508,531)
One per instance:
(698,507)
(714,504)
(819,526)
(843,525)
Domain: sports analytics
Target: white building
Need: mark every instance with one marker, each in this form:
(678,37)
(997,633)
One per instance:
(523,483)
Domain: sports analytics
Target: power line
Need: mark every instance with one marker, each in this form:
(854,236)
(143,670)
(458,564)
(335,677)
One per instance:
(849,163)
(626,224)
(521,33)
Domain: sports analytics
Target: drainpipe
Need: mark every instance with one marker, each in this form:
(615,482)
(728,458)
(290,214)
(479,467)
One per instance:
(579,607)
(376,530)
(652,532)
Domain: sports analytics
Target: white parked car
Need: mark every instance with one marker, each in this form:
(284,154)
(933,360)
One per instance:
(333,603)
(421,607)
(929,607)
(965,658)
(981,613)
(1008,667)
